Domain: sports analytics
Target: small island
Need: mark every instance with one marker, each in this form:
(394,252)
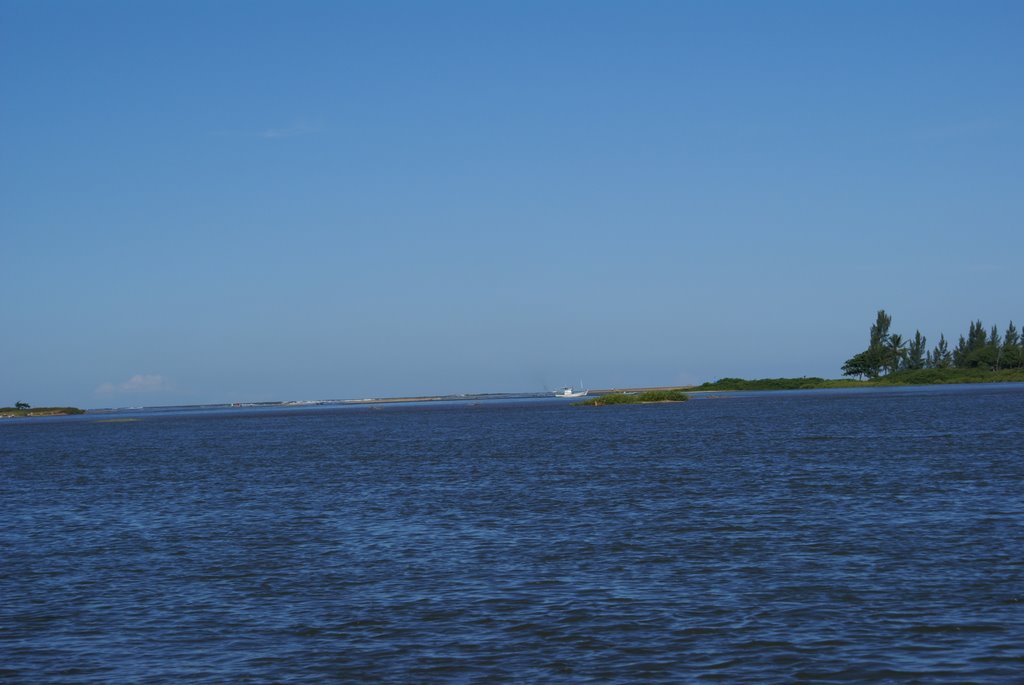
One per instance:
(648,397)
(21,409)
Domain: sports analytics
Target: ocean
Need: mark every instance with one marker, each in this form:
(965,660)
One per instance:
(824,536)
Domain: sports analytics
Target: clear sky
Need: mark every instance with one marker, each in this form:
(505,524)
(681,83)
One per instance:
(235,201)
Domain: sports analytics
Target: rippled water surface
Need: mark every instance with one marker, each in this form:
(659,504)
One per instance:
(825,536)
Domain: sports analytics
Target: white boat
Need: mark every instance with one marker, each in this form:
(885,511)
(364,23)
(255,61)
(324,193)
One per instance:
(567,391)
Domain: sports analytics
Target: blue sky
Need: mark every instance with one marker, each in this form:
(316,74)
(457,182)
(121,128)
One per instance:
(234,201)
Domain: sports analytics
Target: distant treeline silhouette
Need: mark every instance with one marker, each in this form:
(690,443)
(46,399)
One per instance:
(979,349)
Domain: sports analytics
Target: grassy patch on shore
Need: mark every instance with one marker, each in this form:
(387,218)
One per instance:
(634,398)
(808,383)
(12,412)
(940,376)
(915,377)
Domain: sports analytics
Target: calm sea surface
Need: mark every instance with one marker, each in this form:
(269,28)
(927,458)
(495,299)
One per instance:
(822,536)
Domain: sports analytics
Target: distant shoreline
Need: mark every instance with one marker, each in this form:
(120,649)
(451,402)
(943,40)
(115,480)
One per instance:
(898,379)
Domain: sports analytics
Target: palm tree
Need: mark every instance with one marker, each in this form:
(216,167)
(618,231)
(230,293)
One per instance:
(896,352)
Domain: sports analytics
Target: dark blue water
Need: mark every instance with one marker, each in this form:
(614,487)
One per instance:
(775,537)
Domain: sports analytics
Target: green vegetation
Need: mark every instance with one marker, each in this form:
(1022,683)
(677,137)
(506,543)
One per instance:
(634,398)
(930,376)
(905,377)
(982,356)
(889,354)
(22,409)
(810,383)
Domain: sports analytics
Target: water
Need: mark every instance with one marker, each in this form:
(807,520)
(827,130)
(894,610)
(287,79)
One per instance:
(767,537)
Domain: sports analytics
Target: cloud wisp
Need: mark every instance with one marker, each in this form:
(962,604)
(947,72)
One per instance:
(137,384)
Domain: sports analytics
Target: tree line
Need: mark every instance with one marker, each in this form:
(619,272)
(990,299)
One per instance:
(979,349)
